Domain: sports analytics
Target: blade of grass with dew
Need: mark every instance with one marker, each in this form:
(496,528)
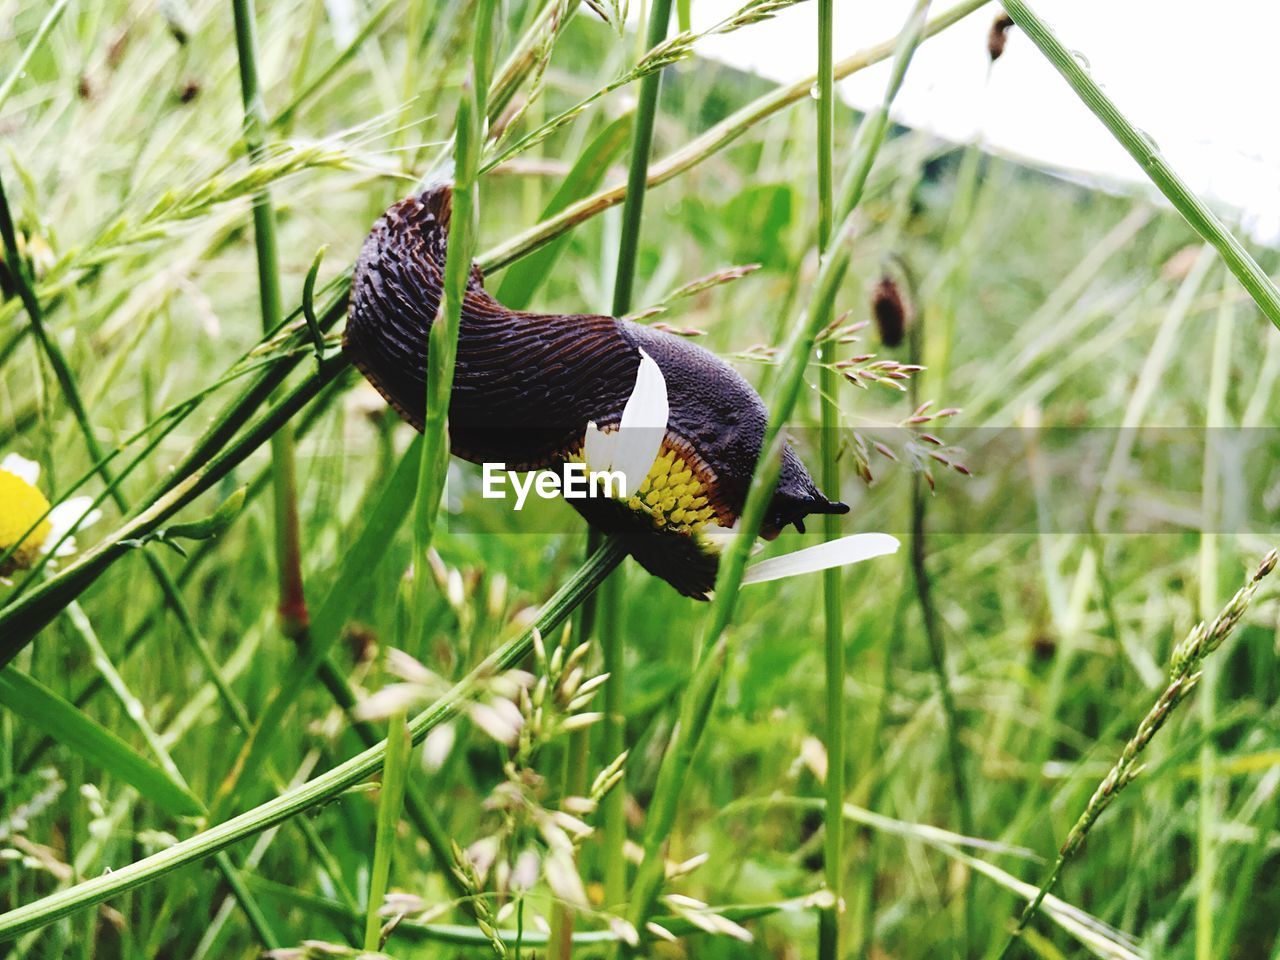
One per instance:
(45,710)
(395,773)
(1144,150)
(42,32)
(318,790)
(829,921)
(696,704)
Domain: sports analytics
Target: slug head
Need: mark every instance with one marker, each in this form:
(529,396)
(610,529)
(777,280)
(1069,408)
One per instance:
(795,498)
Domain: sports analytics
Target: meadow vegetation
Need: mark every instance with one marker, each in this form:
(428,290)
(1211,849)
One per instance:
(193,706)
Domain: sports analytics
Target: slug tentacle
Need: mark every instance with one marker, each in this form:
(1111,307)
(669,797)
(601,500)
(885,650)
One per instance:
(527,384)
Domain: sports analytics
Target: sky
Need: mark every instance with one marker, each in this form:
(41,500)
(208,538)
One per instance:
(1200,79)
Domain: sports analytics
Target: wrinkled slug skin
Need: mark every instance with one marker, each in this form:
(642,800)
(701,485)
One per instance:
(526,384)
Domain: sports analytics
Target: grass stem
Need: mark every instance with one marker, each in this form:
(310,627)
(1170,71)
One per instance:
(292,600)
(395,773)
(1211,510)
(1147,153)
(829,921)
(612,641)
(442,347)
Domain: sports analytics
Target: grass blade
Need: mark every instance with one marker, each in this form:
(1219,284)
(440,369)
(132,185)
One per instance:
(1184,675)
(521,281)
(17,71)
(442,341)
(42,708)
(395,773)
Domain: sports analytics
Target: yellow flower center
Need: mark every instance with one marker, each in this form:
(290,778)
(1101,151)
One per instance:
(672,495)
(21,505)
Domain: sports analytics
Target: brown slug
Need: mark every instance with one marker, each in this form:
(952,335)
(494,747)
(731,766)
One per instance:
(527,385)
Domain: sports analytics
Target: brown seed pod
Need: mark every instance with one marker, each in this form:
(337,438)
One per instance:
(890,311)
(527,384)
(999,36)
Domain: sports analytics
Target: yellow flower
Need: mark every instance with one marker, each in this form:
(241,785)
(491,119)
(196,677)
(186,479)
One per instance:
(22,505)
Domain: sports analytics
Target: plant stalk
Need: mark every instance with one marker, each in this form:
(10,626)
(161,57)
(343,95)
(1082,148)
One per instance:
(292,599)
(1184,675)
(829,920)
(612,642)
(1146,152)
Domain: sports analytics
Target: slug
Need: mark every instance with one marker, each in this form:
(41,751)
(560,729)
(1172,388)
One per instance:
(526,386)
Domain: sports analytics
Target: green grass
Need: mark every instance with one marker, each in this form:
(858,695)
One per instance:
(132,198)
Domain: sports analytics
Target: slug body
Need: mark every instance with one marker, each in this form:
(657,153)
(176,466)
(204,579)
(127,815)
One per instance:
(526,385)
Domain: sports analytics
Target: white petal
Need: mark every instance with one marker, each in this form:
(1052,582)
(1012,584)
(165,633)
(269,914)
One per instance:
(437,747)
(647,405)
(836,553)
(73,514)
(644,424)
(391,699)
(597,448)
(21,467)
(717,536)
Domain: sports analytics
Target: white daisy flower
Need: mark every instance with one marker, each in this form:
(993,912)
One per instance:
(635,449)
(29,528)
